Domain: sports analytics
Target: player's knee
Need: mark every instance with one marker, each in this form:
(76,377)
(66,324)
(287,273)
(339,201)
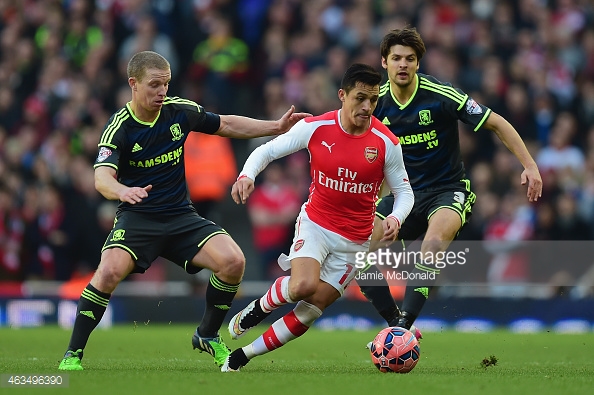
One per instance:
(302,288)
(232,268)
(436,242)
(108,276)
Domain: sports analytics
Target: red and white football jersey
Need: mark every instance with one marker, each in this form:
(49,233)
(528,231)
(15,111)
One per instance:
(346,171)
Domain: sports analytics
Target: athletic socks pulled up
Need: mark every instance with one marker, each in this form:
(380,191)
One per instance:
(91,307)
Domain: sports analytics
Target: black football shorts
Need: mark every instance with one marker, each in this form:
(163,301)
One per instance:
(456,196)
(176,237)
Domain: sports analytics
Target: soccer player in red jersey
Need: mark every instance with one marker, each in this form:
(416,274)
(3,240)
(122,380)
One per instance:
(351,153)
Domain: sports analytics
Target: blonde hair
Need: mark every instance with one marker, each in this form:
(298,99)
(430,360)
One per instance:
(144,60)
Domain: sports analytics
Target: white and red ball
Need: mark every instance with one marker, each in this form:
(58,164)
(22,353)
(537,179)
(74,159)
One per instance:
(395,349)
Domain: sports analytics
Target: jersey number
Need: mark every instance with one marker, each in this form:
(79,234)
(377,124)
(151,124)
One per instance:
(349,269)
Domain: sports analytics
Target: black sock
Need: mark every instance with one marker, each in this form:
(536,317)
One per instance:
(379,295)
(238,359)
(255,316)
(219,296)
(405,320)
(91,306)
(417,292)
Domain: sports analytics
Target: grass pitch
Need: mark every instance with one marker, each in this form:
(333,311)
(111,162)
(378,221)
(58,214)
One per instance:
(158,359)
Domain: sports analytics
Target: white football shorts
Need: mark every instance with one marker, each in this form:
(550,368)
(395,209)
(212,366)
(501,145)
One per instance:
(335,253)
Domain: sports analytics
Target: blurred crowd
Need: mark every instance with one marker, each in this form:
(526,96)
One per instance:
(63,73)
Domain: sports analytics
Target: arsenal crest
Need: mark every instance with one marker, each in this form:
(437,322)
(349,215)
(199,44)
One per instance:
(298,245)
(370,154)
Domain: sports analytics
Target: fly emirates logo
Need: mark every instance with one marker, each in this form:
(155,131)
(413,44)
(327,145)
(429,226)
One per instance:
(344,182)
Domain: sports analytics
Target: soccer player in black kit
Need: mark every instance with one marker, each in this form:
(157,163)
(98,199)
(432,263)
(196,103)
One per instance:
(141,164)
(424,112)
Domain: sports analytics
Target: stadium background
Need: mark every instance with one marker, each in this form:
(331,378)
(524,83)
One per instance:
(62,74)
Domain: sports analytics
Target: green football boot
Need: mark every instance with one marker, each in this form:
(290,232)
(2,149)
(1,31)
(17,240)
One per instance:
(72,360)
(212,345)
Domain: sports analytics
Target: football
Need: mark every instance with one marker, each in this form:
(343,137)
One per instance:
(395,350)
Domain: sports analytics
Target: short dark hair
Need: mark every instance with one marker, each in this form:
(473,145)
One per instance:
(144,60)
(360,72)
(407,37)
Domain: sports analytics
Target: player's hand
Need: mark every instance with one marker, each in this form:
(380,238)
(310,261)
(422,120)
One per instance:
(290,118)
(242,189)
(531,175)
(135,194)
(391,229)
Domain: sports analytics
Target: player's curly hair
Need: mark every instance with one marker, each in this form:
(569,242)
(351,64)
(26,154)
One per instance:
(407,37)
(144,60)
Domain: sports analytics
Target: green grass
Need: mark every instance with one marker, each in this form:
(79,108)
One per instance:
(153,359)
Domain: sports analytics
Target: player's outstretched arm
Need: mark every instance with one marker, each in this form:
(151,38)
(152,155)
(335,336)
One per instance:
(239,127)
(512,140)
(277,148)
(107,185)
